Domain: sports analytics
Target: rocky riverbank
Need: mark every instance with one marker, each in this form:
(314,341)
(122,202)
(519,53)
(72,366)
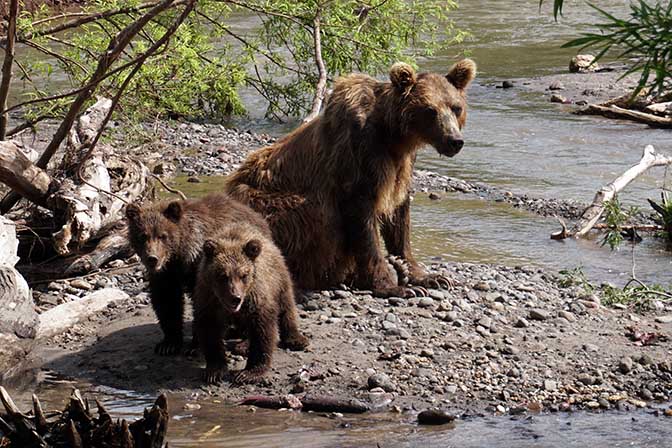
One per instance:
(507,340)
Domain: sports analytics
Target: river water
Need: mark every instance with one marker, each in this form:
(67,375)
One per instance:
(516,140)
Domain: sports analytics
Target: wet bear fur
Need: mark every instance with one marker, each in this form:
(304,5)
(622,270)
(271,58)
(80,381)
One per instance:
(335,185)
(169,238)
(243,281)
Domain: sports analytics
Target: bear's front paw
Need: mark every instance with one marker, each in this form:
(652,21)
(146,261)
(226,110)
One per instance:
(433,281)
(168,348)
(295,342)
(400,291)
(214,375)
(249,376)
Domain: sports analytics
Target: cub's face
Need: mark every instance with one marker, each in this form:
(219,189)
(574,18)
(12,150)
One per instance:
(435,106)
(230,268)
(154,233)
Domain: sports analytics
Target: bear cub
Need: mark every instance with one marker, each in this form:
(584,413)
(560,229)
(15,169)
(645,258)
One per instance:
(243,281)
(169,238)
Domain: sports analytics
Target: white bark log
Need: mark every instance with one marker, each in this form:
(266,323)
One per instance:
(62,317)
(594,211)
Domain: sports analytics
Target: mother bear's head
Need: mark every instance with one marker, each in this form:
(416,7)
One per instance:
(433,107)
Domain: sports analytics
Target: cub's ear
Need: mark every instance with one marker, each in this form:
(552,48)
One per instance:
(133,213)
(462,73)
(209,248)
(252,249)
(403,77)
(173,211)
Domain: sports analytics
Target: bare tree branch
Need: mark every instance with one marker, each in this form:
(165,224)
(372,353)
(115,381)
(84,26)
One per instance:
(321,87)
(115,49)
(7,65)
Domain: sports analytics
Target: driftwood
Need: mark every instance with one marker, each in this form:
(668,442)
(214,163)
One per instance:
(626,114)
(308,403)
(86,194)
(594,211)
(77,427)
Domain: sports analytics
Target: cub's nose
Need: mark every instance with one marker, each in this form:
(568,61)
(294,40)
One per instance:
(458,144)
(152,261)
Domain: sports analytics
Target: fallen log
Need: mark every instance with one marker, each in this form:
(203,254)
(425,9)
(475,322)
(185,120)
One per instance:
(614,111)
(76,427)
(594,211)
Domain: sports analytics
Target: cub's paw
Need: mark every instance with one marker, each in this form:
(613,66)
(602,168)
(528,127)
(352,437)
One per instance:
(168,348)
(249,376)
(214,375)
(295,343)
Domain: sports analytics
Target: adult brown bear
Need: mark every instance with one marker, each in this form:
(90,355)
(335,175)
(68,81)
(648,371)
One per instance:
(331,187)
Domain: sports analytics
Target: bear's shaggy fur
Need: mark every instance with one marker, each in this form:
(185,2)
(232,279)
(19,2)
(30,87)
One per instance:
(242,280)
(331,187)
(169,238)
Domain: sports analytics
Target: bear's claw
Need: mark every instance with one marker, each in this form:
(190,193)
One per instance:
(213,375)
(168,348)
(248,376)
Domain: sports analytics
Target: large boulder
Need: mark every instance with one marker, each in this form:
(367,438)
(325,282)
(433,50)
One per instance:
(18,319)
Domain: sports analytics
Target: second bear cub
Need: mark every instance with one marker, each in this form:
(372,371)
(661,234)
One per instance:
(243,280)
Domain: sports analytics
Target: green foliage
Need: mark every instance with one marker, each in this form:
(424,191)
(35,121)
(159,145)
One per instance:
(356,36)
(575,277)
(205,64)
(664,210)
(644,40)
(638,294)
(615,217)
(635,293)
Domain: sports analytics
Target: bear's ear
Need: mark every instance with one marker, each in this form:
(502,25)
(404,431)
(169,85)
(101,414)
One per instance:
(252,249)
(173,211)
(403,77)
(133,213)
(462,73)
(209,248)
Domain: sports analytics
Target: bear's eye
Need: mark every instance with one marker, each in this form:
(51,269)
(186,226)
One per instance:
(457,110)
(431,113)
(163,236)
(244,277)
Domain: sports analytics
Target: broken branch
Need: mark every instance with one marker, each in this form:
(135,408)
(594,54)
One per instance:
(594,211)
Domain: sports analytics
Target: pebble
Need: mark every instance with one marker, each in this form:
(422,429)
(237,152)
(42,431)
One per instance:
(55,286)
(482,286)
(556,85)
(625,365)
(484,322)
(435,417)
(550,386)
(555,98)
(521,323)
(426,302)
(382,381)
(567,316)
(539,314)
(664,319)
(507,84)
(396,301)
(82,284)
